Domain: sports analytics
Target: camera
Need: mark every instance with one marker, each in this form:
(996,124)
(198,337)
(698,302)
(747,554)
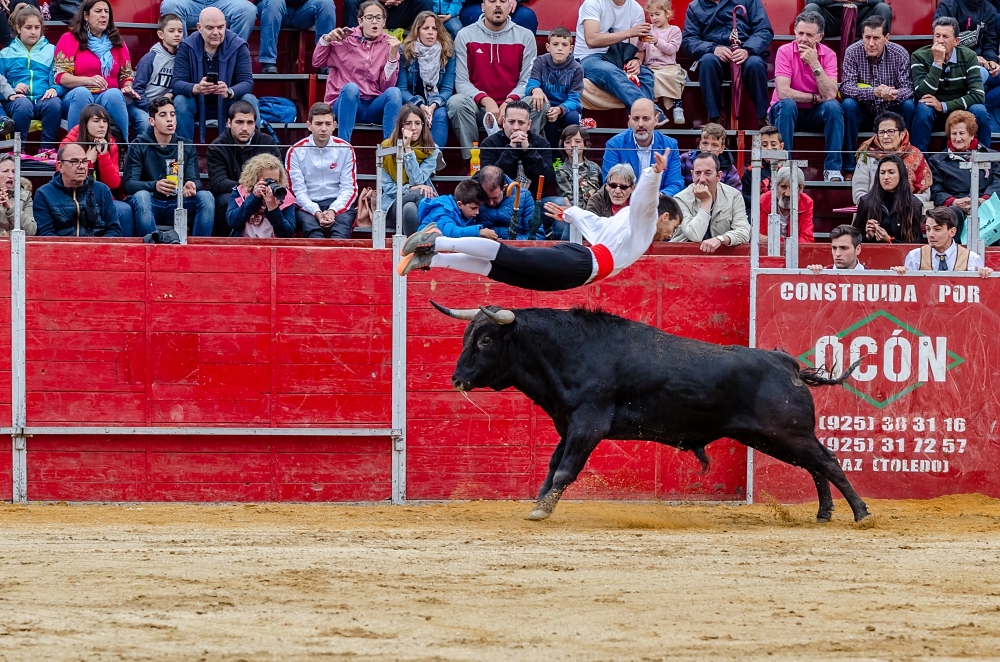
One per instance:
(277,190)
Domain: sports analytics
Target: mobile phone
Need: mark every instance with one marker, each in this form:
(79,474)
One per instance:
(212,78)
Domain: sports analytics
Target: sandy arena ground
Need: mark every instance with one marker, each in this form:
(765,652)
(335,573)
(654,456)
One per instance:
(475,581)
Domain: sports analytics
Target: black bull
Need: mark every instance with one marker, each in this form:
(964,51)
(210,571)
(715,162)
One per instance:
(599,376)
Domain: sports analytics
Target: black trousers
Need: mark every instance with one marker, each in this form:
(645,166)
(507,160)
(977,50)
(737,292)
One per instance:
(342,226)
(834,16)
(560,267)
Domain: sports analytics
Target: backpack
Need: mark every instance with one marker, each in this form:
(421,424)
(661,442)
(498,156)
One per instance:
(277,109)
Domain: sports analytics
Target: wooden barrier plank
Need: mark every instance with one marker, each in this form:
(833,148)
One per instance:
(190,411)
(86,491)
(97,285)
(83,408)
(319,261)
(321,319)
(44,255)
(177,287)
(203,318)
(82,316)
(211,492)
(319,492)
(313,348)
(316,410)
(108,466)
(346,468)
(214,466)
(336,290)
(334,378)
(239,259)
(100,376)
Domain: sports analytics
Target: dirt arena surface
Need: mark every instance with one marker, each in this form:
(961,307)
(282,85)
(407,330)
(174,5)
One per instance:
(475,581)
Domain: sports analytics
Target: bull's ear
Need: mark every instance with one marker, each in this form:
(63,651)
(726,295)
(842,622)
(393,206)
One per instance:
(465,314)
(502,316)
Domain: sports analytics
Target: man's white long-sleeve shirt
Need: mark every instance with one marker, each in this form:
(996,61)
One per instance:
(322,173)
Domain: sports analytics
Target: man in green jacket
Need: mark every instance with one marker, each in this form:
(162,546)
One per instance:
(946,77)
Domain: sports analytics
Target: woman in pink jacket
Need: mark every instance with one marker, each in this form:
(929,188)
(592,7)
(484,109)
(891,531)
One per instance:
(364,64)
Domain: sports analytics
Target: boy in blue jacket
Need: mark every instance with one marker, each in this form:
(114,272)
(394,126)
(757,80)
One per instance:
(556,79)
(451,214)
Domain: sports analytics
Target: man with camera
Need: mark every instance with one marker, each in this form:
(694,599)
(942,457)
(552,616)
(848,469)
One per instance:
(212,70)
(227,154)
(152,176)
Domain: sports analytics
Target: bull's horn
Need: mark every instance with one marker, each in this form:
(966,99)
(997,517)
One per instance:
(502,316)
(465,314)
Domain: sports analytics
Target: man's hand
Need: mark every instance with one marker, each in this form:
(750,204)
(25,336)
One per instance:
(965,204)
(428,112)
(723,53)
(554,210)
(325,218)
(444,17)
(222,90)
(487,233)
(538,99)
(554,113)
(490,106)
(985,272)
(335,35)
(129,92)
(899,270)
(189,190)
(638,30)
(809,56)
(932,101)
(710,245)
(166,187)
(203,87)
(938,51)
(704,196)
(632,67)
(880,91)
(392,3)
(519,140)
(660,161)
(891,95)
(740,55)
(992,68)
(815,268)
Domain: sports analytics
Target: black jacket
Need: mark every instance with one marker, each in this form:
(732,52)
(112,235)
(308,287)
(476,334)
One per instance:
(976,22)
(950,181)
(747,180)
(86,211)
(226,163)
(536,159)
(887,218)
(146,164)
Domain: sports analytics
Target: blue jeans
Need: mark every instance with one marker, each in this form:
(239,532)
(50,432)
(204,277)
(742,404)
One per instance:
(553,130)
(614,80)
(856,117)
(992,85)
(351,108)
(826,118)
(926,119)
(125,220)
(187,109)
(555,230)
(522,16)
(112,100)
(240,14)
(439,126)
(712,71)
(49,111)
(138,119)
(274,15)
(453,25)
(148,211)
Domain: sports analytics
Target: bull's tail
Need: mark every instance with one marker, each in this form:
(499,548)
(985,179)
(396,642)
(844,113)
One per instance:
(818,376)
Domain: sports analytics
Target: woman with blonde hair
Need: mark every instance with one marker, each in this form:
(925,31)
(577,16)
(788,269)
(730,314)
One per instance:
(427,72)
(261,205)
(419,162)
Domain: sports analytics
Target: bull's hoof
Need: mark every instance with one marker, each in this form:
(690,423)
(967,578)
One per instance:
(538,514)
(823,518)
(862,516)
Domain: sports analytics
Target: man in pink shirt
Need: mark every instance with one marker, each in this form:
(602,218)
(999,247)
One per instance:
(805,92)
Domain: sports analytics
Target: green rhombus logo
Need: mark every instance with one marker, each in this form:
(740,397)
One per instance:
(956,359)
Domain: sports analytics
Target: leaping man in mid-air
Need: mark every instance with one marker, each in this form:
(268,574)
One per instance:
(615,243)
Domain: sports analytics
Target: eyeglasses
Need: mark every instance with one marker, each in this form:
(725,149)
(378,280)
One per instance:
(618,186)
(372,18)
(74,163)
(885,133)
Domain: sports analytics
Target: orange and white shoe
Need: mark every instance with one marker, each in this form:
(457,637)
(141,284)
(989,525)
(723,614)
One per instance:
(414,261)
(421,242)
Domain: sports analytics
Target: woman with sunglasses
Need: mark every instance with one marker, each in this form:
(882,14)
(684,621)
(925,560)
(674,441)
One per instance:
(364,66)
(616,192)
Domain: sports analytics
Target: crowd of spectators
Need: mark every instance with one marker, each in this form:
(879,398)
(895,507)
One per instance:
(428,69)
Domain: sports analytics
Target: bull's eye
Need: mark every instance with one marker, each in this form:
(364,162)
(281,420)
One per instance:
(485,341)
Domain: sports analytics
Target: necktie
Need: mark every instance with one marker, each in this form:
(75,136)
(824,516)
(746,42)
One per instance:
(942,262)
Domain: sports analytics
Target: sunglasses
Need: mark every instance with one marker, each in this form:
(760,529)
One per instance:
(618,186)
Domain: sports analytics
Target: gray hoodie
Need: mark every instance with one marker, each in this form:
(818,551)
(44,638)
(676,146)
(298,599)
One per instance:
(154,75)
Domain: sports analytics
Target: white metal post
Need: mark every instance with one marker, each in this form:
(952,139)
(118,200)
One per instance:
(792,241)
(180,215)
(399,188)
(17,343)
(755,166)
(776,158)
(398,373)
(575,236)
(378,215)
(975,241)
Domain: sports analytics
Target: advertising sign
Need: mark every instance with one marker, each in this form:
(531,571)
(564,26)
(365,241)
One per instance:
(918,416)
